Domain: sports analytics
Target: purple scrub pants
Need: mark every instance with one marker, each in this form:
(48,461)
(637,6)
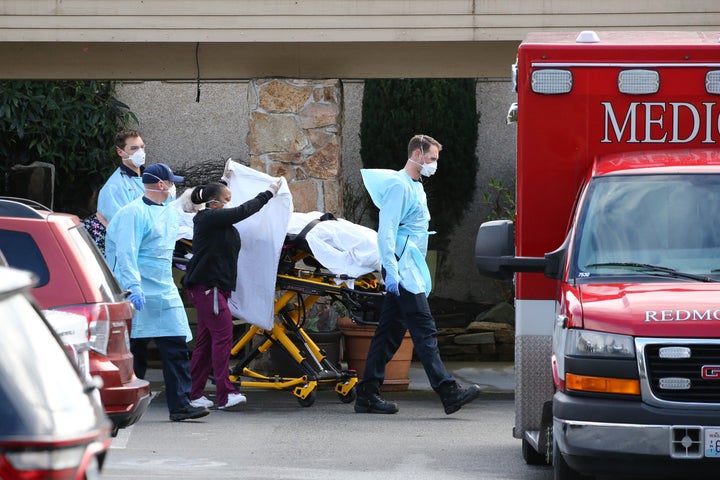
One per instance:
(213,344)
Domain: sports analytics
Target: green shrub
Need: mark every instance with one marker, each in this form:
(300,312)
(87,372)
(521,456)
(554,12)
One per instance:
(70,124)
(394,110)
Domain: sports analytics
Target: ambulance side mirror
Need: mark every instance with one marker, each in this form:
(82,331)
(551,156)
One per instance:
(555,261)
(495,252)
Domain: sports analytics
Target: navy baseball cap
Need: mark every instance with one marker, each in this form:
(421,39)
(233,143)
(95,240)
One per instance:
(159,171)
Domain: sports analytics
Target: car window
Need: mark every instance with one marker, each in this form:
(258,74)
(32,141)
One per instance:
(28,351)
(95,264)
(22,252)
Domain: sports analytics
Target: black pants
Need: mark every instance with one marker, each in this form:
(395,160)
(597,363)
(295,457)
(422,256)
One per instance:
(411,312)
(175,365)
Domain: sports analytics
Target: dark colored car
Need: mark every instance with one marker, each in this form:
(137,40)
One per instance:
(51,425)
(72,276)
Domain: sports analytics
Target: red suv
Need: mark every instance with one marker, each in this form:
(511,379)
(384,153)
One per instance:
(72,276)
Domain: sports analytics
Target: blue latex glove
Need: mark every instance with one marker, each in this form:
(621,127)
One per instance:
(137,297)
(391,286)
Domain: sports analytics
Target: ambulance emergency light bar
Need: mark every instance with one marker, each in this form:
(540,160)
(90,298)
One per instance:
(552,81)
(635,81)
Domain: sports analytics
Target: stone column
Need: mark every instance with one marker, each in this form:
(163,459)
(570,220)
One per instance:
(295,131)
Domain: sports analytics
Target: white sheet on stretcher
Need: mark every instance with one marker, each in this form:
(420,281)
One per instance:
(343,247)
(262,236)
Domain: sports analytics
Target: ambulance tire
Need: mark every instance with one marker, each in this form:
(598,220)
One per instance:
(532,456)
(561,470)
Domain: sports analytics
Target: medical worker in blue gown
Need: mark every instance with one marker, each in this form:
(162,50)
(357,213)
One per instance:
(123,186)
(402,240)
(139,247)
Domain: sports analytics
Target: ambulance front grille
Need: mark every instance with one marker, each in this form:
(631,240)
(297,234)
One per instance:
(681,379)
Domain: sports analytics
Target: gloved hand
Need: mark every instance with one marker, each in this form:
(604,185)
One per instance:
(137,297)
(391,286)
(275,186)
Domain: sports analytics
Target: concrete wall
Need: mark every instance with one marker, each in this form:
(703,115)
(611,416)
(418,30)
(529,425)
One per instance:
(182,132)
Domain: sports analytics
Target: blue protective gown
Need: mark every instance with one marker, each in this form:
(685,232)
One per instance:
(139,245)
(119,190)
(403,226)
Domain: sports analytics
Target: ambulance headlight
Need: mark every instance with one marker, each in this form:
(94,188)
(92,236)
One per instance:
(712,82)
(551,81)
(638,82)
(589,343)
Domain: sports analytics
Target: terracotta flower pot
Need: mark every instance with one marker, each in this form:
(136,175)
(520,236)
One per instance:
(357,342)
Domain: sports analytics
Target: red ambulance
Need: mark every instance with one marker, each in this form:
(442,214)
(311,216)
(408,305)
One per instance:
(615,252)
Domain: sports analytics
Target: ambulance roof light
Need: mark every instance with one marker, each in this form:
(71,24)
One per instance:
(587,36)
(712,82)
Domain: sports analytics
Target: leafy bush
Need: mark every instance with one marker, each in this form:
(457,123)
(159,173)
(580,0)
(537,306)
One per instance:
(70,124)
(500,200)
(394,110)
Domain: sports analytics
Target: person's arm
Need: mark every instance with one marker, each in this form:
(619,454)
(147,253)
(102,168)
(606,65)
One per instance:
(110,200)
(389,222)
(230,216)
(127,232)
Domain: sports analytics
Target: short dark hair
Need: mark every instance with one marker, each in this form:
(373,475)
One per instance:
(122,136)
(422,142)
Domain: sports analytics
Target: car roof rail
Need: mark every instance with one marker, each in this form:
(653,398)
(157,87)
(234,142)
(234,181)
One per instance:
(21,207)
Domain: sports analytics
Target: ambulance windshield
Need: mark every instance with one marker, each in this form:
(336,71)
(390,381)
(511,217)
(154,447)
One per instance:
(663,225)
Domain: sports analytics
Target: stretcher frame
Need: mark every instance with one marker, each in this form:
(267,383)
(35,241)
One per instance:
(297,292)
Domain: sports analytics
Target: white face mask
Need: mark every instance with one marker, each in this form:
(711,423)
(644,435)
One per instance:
(224,204)
(172,191)
(426,169)
(138,158)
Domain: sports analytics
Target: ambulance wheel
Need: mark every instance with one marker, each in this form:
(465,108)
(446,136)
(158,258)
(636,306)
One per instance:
(350,397)
(309,400)
(561,470)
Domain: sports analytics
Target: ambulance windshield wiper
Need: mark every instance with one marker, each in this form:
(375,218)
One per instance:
(656,268)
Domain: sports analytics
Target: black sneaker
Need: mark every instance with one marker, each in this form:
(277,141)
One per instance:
(188,412)
(369,401)
(454,396)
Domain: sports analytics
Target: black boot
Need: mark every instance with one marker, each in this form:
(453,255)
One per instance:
(369,400)
(454,396)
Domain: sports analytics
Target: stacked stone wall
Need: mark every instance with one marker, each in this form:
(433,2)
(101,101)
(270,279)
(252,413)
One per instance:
(295,131)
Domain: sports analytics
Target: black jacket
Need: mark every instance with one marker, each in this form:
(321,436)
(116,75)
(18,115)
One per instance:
(216,244)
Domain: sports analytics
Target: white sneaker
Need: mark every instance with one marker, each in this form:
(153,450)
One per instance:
(234,399)
(202,402)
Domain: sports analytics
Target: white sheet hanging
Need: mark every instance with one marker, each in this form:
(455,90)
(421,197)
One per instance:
(262,235)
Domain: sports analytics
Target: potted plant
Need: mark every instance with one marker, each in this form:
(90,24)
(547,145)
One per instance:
(356,340)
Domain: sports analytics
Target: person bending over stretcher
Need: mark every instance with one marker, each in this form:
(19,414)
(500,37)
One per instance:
(210,279)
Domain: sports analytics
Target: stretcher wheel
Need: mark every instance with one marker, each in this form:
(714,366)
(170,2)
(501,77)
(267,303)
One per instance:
(309,400)
(350,397)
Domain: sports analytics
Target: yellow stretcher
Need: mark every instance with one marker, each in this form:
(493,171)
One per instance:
(298,288)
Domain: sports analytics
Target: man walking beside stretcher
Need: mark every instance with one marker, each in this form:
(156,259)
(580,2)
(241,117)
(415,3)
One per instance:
(402,240)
